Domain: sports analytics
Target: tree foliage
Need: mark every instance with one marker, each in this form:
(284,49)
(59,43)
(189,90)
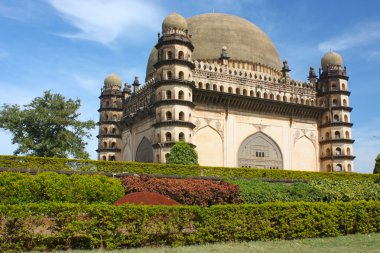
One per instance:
(182,153)
(47,127)
(376,169)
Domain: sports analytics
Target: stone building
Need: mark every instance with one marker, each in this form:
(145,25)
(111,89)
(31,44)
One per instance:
(216,81)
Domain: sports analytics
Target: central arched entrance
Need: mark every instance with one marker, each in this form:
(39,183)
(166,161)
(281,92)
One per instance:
(260,151)
(144,151)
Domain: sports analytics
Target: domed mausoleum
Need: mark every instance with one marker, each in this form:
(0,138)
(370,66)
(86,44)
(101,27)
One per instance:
(217,82)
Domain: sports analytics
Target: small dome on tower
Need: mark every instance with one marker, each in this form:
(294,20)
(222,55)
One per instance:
(112,81)
(174,20)
(332,59)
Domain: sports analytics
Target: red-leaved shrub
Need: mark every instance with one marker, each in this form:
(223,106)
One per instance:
(201,192)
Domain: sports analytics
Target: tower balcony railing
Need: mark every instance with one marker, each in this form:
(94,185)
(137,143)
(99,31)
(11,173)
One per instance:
(337,140)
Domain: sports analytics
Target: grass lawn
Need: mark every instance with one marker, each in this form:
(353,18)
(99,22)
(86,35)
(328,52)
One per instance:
(346,244)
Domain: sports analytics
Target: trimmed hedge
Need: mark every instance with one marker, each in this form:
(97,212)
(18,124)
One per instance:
(347,190)
(17,188)
(49,226)
(185,191)
(258,192)
(55,164)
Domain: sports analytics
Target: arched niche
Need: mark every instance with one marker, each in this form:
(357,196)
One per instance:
(304,156)
(260,151)
(144,151)
(209,147)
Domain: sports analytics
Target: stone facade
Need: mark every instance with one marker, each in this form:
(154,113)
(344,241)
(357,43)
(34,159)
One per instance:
(243,111)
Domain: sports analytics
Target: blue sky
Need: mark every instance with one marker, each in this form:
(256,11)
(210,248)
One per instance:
(69,46)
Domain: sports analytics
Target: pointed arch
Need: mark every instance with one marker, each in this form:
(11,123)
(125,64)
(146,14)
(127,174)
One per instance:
(144,151)
(260,151)
(304,155)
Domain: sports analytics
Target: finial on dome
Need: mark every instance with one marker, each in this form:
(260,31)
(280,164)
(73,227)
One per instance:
(174,21)
(331,58)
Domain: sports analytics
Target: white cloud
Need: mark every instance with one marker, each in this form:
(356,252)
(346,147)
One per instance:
(360,34)
(104,21)
(367,145)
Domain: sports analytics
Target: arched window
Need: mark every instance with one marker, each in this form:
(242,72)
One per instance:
(104,144)
(181,137)
(168,94)
(167,157)
(169,55)
(349,167)
(344,102)
(334,87)
(104,158)
(180,55)
(229,90)
(338,167)
(302,101)
(328,151)
(345,118)
(335,102)
(181,95)
(278,97)
(284,99)
(106,116)
(336,118)
(338,151)
(168,136)
(105,130)
(112,158)
(207,86)
(326,119)
(337,135)
(107,103)
(291,99)
(114,130)
(258,94)
(214,87)
(181,116)
(343,86)
(169,75)
(347,135)
(251,93)
(113,144)
(238,91)
(200,85)
(328,167)
(265,95)
(327,135)
(221,88)
(271,96)
(114,117)
(348,151)
(168,115)
(244,92)
(180,75)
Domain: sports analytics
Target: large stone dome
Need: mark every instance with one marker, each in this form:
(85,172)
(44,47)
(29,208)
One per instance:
(244,40)
(331,59)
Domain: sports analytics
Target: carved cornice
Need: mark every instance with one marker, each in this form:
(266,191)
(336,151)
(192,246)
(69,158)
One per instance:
(332,92)
(333,124)
(176,62)
(139,115)
(108,150)
(109,135)
(338,157)
(168,144)
(174,39)
(174,102)
(173,82)
(344,108)
(110,108)
(344,141)
(174,123)
(254,104)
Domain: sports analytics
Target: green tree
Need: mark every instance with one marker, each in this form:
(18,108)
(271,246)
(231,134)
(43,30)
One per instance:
(182,153)
(376,170)
(47,127)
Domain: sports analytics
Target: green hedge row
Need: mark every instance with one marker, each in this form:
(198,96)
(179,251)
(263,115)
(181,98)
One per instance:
(49,226)
(18,188)
(54,164)
(257,192)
